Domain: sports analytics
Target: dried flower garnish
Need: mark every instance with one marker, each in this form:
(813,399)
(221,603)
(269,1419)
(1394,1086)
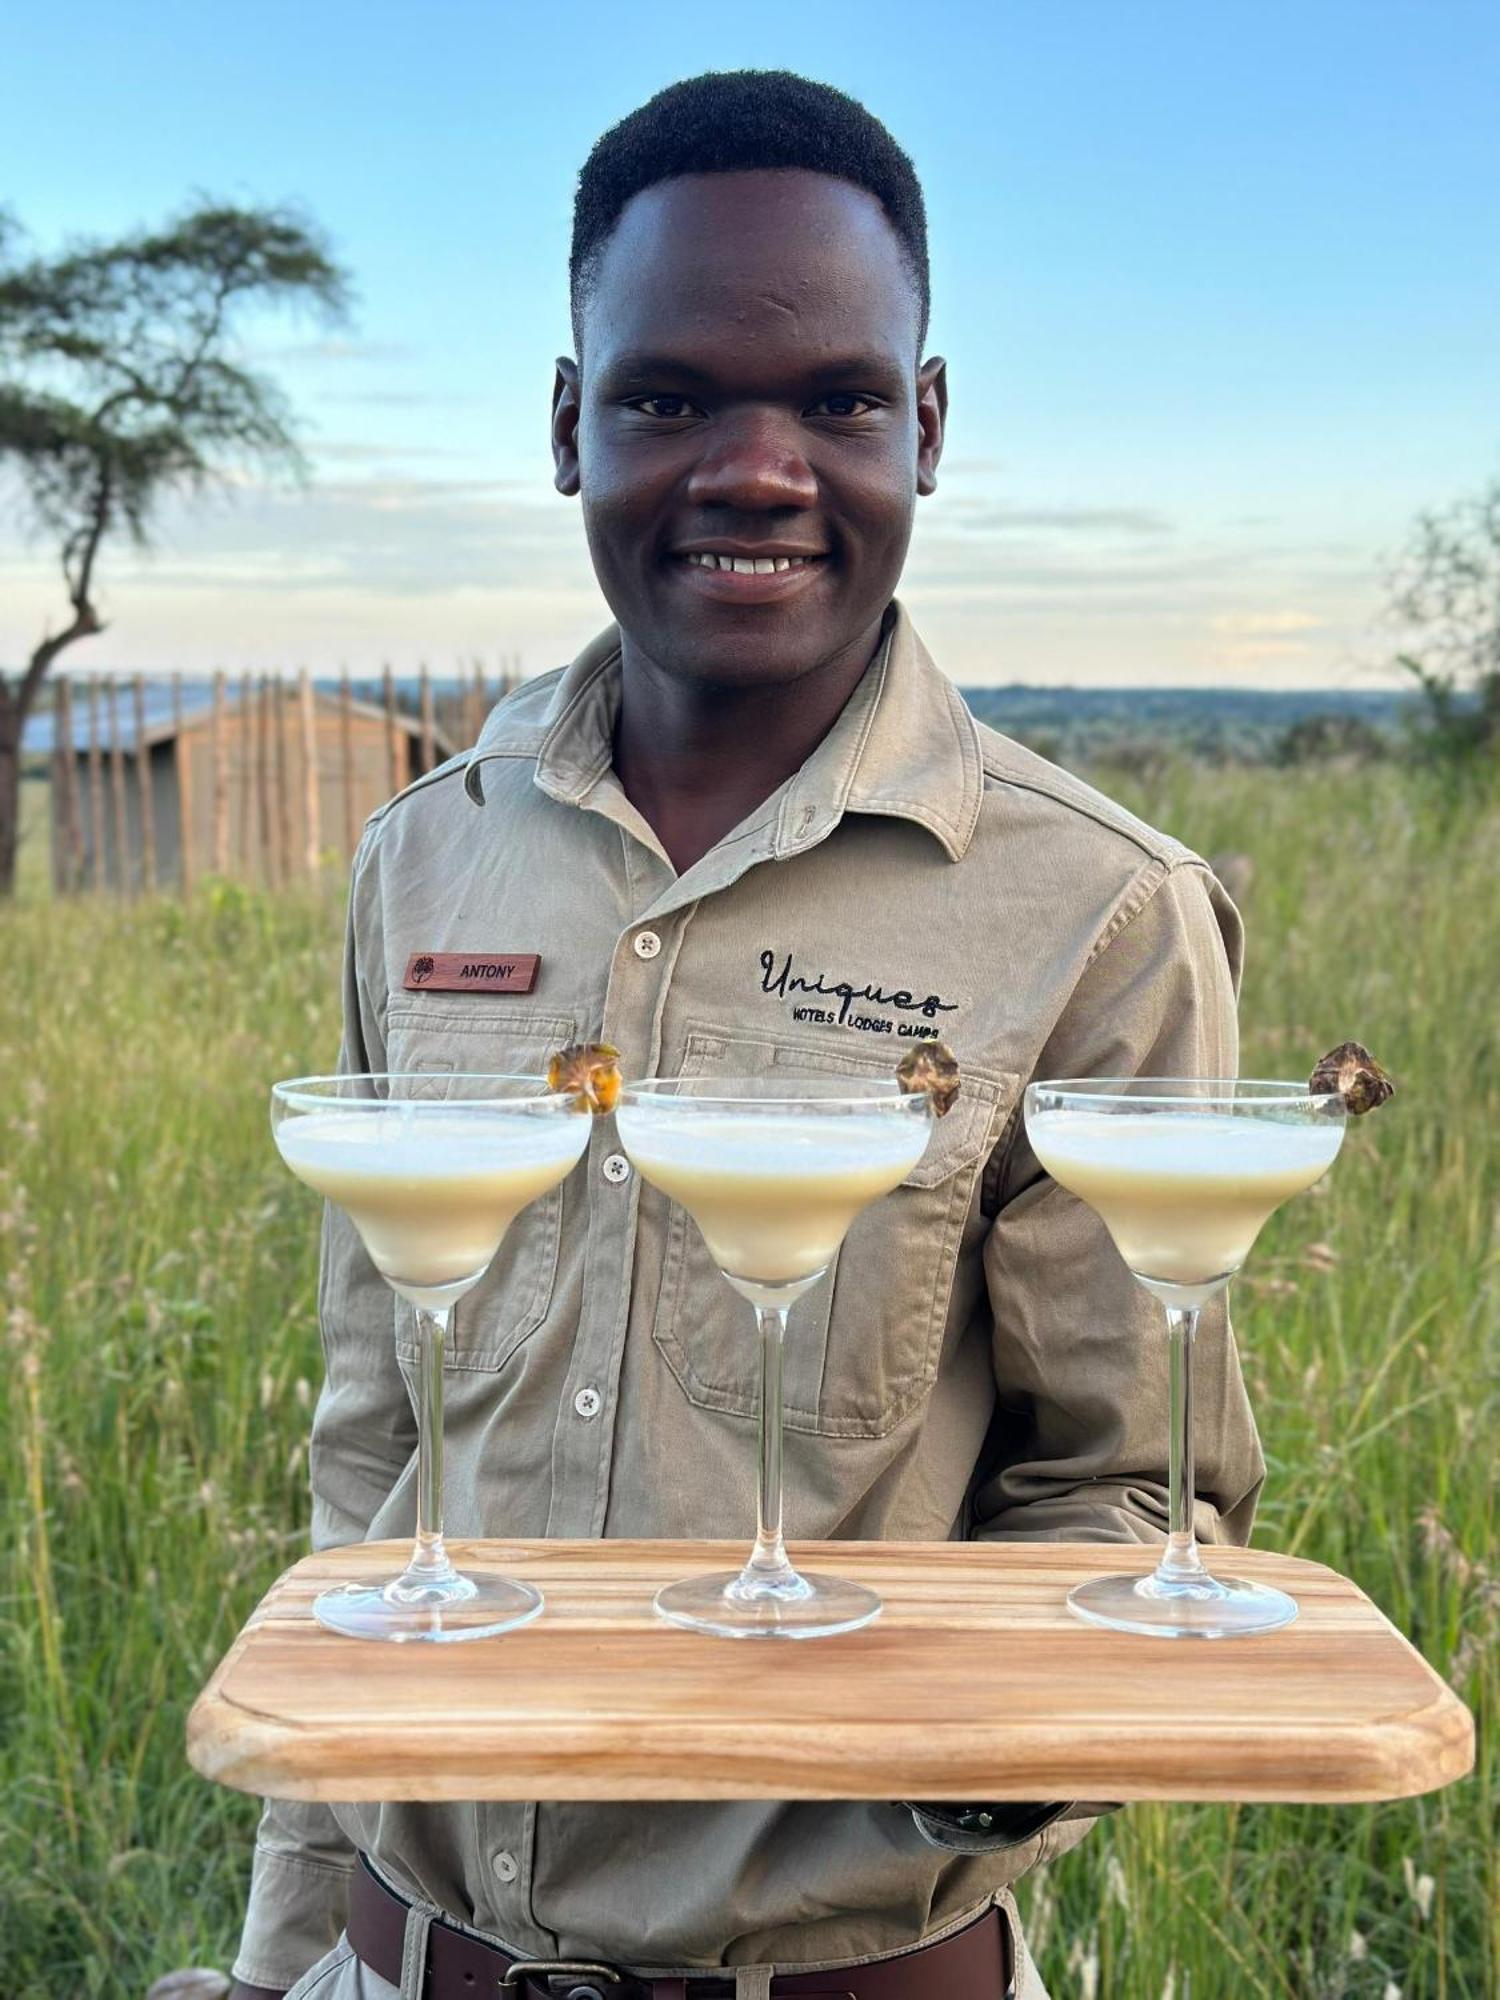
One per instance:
(932,1068)
(1352,1072)
(588,1072)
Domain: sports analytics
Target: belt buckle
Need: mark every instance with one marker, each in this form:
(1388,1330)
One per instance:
(585,1973)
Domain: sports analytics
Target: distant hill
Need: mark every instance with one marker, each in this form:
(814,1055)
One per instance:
(1242,724)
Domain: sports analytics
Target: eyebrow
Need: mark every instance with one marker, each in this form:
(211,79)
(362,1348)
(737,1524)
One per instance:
(653,367)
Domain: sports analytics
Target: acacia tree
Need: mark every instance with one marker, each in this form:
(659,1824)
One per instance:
(122,382)
(1445,592)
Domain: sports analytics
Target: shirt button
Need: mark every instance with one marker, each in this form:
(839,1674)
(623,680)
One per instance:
(647,944)
(617,1168)
(505,1866)
(588,1402)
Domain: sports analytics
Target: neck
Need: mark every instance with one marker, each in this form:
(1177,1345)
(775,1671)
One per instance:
(696,757)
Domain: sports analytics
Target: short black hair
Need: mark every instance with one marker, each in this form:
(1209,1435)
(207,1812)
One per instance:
(731,121)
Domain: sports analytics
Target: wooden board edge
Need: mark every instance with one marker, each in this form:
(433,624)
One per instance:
(245,1750)
(237,1747)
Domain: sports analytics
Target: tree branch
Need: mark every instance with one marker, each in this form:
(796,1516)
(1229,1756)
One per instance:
(83,548)
(209,335)
(93,535)
(84,626)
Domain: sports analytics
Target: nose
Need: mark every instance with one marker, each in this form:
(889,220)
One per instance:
(752,460)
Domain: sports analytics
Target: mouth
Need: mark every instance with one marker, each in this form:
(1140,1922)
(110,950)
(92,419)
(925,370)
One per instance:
(735,579)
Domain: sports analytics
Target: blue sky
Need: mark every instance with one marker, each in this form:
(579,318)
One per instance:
(1218,284)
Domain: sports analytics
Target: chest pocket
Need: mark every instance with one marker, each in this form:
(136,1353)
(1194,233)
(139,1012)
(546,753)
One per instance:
(510,1301)
(862,1347)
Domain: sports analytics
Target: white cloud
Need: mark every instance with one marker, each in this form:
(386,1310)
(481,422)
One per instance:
(351,451)
(1006,519)
(1254,624)
(335,349)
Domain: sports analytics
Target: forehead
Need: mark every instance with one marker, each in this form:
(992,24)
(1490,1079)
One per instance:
(745,264)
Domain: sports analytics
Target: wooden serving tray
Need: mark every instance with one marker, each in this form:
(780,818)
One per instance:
(975,1683)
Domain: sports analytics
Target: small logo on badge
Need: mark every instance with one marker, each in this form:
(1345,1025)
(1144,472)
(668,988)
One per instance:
(421,971)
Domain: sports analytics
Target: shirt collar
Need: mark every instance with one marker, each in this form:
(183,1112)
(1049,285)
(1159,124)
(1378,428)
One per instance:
(905,745)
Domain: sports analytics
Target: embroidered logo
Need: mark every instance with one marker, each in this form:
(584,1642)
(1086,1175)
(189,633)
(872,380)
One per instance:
(832,1002)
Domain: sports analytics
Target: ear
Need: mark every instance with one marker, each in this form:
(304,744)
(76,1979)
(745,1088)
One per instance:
(932,418)
(566,409)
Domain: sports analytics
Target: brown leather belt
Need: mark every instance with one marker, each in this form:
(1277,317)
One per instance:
(972,1964)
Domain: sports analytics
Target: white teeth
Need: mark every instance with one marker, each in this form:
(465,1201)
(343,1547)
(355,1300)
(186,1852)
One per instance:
(746,565)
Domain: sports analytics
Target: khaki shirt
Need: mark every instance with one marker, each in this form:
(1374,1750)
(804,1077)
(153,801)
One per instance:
(980,1364)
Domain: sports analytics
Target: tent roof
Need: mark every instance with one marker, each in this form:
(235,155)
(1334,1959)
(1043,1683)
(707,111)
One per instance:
(40,738)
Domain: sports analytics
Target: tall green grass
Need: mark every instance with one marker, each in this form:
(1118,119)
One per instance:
(158,1275)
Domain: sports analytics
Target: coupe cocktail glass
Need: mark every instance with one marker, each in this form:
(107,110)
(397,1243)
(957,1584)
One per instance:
(1183,1172)
(431,1170)
(773,1171)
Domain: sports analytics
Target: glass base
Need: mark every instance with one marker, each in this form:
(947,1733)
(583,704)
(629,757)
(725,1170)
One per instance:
(1207,1607)
(801,1607)
(451,1608)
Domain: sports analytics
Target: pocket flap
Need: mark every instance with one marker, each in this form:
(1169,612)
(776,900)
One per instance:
(429,1036)
(969,1130)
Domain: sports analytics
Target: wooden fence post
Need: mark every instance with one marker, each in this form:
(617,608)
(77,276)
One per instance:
(261,783)
(96,789)
(283,786)
(245,743)
(117,789)
(266,870)
(312,804)
(144,790)
(182,764)
(67,826)
(429,735)
(393,740)
(346,764)
(219,754)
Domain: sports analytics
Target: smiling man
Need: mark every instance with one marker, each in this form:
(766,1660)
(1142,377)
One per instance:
(753,829)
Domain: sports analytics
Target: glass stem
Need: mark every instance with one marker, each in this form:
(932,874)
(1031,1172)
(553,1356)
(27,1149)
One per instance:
(1181,1562)
(768,1559)
(429,1561)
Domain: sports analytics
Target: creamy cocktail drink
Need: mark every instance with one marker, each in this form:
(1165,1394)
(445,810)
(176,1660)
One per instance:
(773,1195)
(773,1170)
(1183,1172)
(431,1195)
(431,1170)
(1183,1195)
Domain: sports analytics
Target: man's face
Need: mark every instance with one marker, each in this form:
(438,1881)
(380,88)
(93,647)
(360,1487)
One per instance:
(749,387)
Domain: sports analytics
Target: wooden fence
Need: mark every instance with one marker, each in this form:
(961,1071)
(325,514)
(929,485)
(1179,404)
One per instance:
(264,778)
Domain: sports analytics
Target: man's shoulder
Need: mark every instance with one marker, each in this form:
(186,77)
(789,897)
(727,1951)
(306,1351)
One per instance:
(1025,791)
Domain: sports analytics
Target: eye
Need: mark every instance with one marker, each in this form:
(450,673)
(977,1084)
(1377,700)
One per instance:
(840,404)
(663,408)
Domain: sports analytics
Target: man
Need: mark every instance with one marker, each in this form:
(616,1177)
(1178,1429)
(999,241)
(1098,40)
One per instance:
(752,827)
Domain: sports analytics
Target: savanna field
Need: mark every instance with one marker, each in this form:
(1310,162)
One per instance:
(158,1269)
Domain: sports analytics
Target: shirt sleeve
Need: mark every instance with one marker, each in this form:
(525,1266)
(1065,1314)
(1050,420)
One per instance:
(363,1436)
(1079,1447)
